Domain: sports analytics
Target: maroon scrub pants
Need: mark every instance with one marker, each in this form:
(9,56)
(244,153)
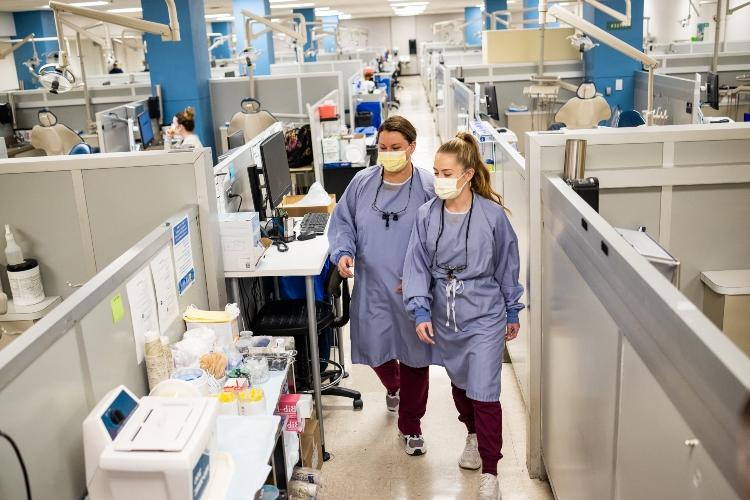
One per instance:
(414,384)
(486,420)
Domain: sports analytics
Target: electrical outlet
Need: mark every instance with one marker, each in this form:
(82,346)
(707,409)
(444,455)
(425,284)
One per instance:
(618,84)
(608,91)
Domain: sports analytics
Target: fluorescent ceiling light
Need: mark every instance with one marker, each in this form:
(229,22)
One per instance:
(292,6)
(126,10)
(345,16)
(217,16)
(409,4)
(89,4)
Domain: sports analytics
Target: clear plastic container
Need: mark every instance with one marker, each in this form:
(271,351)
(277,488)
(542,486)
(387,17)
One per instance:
(257,370)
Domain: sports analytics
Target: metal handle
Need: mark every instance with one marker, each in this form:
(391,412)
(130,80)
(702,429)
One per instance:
(71,285)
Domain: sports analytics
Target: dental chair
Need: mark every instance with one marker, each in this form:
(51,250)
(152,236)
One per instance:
(252,120)
(51,137)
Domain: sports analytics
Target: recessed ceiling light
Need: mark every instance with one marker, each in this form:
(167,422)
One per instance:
(292,6)
(126,10)
(89,4)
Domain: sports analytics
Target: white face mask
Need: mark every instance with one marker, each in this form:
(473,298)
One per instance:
(393,161)
(446,188)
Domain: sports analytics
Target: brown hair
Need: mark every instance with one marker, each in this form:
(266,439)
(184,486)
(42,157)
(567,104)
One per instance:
(186,118)
(469,156)
(401,125)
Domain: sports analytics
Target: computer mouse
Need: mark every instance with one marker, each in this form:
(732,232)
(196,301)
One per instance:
(306,236)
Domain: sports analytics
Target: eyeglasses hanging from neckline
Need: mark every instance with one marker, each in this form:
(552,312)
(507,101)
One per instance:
(386,215)
(449,270)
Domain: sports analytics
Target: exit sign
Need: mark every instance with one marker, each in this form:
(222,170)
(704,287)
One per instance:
(613,25)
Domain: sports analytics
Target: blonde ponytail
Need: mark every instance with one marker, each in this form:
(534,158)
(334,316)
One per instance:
(468,155)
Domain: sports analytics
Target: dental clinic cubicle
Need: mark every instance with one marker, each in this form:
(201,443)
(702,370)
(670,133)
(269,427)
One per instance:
(613,350)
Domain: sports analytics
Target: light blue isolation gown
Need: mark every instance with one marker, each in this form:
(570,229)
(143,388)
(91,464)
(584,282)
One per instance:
(470,333)
(381,329)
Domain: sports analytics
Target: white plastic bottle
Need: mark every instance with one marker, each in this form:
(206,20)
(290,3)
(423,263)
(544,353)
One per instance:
(23,274)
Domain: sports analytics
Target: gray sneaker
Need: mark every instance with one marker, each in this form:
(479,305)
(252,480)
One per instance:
(392,401)
(414,444)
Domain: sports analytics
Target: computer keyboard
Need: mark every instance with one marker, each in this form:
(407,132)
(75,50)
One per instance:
(314,223)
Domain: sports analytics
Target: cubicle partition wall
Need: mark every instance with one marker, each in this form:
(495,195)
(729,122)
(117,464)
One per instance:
(70,107)
(77,214)
(676,96)
(53,375)
(115,130)
(632,365)
(510,80)
(692,57)
(142,78)
(347,68)
(676,181)
(286,96)
(458,107)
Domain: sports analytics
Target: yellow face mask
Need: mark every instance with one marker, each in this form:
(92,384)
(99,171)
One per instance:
(393,161)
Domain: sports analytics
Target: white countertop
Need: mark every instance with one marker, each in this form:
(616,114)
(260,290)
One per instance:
(304,258)
(730,282)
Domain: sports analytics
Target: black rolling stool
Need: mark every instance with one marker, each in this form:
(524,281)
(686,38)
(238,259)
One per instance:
(288,318)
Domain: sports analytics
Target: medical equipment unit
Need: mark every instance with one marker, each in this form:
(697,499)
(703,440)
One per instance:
(149,448)
(482,131)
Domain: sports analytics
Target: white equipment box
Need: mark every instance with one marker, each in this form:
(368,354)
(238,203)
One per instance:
(152,448)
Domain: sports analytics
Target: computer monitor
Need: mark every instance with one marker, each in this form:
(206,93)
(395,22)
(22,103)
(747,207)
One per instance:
(276,168)
(490,96)
(147,131)
(712,90)
(236,140)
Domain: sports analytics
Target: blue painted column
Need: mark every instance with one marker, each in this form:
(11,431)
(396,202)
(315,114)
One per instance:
(223,51)
(472,31)
(264,43)
(329,24)
(531,15)
(491,6)
(605,65)
(42,24)
(182,68)
(310,18)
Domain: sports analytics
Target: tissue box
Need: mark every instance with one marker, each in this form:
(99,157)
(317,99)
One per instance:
(240,240)
(226,331)
(296,408)
(289,201)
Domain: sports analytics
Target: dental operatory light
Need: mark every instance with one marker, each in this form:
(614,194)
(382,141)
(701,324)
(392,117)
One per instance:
(57,77)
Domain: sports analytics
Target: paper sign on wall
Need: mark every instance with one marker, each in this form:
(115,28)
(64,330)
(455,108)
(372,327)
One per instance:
(183,255)
(162,271)
(142,308)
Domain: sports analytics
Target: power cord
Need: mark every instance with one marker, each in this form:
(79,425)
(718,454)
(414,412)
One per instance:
(21,462)
(232,196)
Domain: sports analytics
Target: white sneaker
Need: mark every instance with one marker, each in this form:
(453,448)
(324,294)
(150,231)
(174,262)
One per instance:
(392,401)
(470,458)
(488,488)
(414,444)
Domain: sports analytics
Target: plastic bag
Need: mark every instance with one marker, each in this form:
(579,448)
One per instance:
(316,196)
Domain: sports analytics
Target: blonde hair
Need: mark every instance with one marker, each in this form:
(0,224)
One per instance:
(469,156)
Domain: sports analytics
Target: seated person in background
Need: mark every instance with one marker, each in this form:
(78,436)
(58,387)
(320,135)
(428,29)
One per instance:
(116,69)
(183,124)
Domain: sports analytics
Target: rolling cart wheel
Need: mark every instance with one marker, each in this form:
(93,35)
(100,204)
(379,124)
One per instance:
(358,404)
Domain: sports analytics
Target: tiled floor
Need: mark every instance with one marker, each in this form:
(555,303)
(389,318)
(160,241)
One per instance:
(368,458)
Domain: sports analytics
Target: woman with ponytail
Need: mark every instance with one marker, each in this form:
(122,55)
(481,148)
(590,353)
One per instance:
(183,125)
(461,286)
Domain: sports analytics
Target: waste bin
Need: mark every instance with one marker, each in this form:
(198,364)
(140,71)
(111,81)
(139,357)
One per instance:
(726,302)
